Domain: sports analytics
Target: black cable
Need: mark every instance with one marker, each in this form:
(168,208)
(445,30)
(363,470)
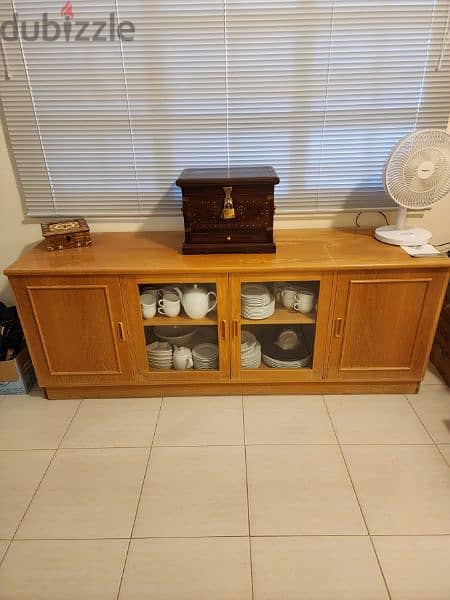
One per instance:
(366,211)
(439,245)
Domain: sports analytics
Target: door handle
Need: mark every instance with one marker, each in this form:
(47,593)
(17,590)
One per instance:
(235,328)
(121,331)
(339,326)
(223,329)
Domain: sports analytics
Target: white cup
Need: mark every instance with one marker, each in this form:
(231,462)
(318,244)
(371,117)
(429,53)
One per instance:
(288,297)
(304,301)
(169,305)
(170,290)
(148,305)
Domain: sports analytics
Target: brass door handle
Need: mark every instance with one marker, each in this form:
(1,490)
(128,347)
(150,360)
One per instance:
(121,331)
(339,326)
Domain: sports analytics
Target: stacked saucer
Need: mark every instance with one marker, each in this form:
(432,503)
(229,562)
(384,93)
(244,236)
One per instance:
(159,356)
(205,357)
(250,351)
(256,301)
(286,364)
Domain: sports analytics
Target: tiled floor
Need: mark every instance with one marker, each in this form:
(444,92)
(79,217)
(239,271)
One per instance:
(263,498)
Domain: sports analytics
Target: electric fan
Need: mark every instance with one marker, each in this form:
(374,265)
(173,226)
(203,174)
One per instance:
(416,176)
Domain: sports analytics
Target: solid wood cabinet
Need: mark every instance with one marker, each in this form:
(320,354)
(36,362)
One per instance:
(382,323)
(370,331)
(75,329)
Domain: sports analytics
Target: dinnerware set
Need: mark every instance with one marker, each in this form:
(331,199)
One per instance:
(205,357)
(250,351)
(196,301)
(257,302)
(286,364)
(160,356)
(298,298)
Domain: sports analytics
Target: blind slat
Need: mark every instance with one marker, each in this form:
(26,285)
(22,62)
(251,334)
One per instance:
(320,89)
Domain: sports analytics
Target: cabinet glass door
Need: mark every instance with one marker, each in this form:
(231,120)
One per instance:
(180,329)
(277,332)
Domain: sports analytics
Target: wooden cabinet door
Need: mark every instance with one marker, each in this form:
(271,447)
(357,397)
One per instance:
(314,326)
(75,329)
(145,331)
(384,324)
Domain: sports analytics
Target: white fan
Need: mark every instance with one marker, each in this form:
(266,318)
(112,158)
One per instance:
(416,176)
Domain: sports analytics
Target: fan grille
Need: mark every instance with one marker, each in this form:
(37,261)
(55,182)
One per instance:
(417,173)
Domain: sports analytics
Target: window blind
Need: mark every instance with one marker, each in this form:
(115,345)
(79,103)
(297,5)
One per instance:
(320,89)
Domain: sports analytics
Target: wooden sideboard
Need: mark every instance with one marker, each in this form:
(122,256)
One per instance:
(372,329)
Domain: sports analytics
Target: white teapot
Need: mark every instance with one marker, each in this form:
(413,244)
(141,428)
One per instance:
(182,359)
(196,301)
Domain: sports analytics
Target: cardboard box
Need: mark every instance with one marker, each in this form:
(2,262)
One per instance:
(17,375)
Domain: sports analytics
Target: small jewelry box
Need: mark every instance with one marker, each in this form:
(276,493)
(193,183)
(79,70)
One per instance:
(70,233)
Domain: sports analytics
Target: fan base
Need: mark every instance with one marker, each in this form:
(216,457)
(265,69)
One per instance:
(389,234)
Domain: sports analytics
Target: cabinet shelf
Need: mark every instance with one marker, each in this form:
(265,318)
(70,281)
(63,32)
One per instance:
(180,320)
(283,316)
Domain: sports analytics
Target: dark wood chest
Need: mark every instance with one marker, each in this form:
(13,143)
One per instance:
(228,210)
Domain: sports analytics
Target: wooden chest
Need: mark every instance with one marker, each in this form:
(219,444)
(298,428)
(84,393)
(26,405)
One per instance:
(70,233)
(228,210)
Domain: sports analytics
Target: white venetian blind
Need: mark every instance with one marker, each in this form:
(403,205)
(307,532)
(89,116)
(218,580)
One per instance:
(320,89)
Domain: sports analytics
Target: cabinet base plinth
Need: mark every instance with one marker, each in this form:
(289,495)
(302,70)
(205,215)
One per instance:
(230,389)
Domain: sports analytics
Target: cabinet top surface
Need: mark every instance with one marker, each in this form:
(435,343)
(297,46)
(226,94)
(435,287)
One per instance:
(150,253)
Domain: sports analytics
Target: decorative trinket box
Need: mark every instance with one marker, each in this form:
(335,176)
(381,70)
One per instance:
(70,233)
(228,210)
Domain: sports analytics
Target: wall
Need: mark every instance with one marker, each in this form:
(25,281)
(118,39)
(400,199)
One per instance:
(16,236)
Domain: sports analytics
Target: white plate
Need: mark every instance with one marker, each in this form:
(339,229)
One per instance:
(205,351)
(254,289)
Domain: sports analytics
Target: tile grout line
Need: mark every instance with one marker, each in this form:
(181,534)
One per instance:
(207,537)
(139,500)
(50,462)
(433,441)
(357,498)
(248,500)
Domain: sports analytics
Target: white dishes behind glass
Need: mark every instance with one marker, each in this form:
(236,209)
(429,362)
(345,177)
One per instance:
(305,301)
(149,304)
(160,355)
(177,335)
(250,351)
(256,301)
(295,297)
(255,294)
(286,364)
(205,357)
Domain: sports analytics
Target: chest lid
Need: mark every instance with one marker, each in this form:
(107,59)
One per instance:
(228,176)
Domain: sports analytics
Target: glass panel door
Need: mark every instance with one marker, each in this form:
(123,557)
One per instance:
(182,329)
(276,328)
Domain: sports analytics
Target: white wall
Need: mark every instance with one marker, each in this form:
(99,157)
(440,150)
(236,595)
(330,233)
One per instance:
(16,236)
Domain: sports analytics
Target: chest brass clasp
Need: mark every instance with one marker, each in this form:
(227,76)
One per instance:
(228,208)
